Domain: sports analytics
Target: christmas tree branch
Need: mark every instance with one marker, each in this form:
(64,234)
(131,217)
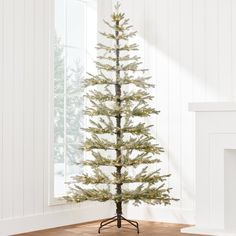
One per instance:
(101,109)
(98,143)
(150,195)
(120,28)
(139,95)
(139,82)
(129,67)
(78,194)
(97,177)
(141,143)
(125,162)
(125,47)
(124,58)
(123,36)
(99,79)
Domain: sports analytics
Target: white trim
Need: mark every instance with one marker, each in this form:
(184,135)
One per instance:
(55,219)
(55,201)
(82,213)
(161,214)
(51,199)
(203,231)
(50,176)
(212,106)
(65,97)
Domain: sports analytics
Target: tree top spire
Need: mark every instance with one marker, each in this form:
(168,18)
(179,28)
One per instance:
(117,6)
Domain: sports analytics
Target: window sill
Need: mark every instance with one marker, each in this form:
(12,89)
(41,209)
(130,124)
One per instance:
(55,201)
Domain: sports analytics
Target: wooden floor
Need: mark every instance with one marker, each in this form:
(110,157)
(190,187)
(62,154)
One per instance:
(146,229)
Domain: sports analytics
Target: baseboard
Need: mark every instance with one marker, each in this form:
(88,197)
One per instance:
(161,214)
(205,231)
(54,219)
(91,213)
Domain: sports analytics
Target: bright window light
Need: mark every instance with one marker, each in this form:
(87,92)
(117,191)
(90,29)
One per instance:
(75,23)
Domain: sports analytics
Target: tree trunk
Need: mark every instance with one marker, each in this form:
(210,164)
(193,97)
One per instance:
(118,133)
(119,213)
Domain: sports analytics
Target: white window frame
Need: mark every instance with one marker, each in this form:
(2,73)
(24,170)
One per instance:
(91,40)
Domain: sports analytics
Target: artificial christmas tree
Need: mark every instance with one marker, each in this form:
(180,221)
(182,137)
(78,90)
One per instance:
(118,139)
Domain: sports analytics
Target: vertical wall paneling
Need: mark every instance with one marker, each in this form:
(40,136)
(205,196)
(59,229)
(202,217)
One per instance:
(47,99)
(199,50)
(137,22)
(160,45)
(18,104)
(193,53)
(212,52)
(39,107)
(199,81)
(225,48)
(148,58)
(233,56)
(1,105)
(29,117)
(174,99)
(8,85)
(104,11)
(186,81)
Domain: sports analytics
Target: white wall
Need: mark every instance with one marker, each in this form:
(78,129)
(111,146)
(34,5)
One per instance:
(190,48)
(25,48)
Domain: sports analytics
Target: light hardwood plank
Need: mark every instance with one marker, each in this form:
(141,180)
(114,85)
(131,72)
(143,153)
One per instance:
(146,229)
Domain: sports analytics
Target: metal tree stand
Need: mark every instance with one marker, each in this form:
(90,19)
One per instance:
(118,218)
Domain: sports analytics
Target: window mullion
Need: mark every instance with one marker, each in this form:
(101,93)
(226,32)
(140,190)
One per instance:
(65,92)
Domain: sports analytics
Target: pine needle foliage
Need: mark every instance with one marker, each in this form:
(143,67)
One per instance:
(119,140)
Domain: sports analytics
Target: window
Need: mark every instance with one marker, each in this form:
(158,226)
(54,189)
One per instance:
(75,39)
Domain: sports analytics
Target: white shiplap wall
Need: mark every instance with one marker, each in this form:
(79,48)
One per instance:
(25,74)
(190,48)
